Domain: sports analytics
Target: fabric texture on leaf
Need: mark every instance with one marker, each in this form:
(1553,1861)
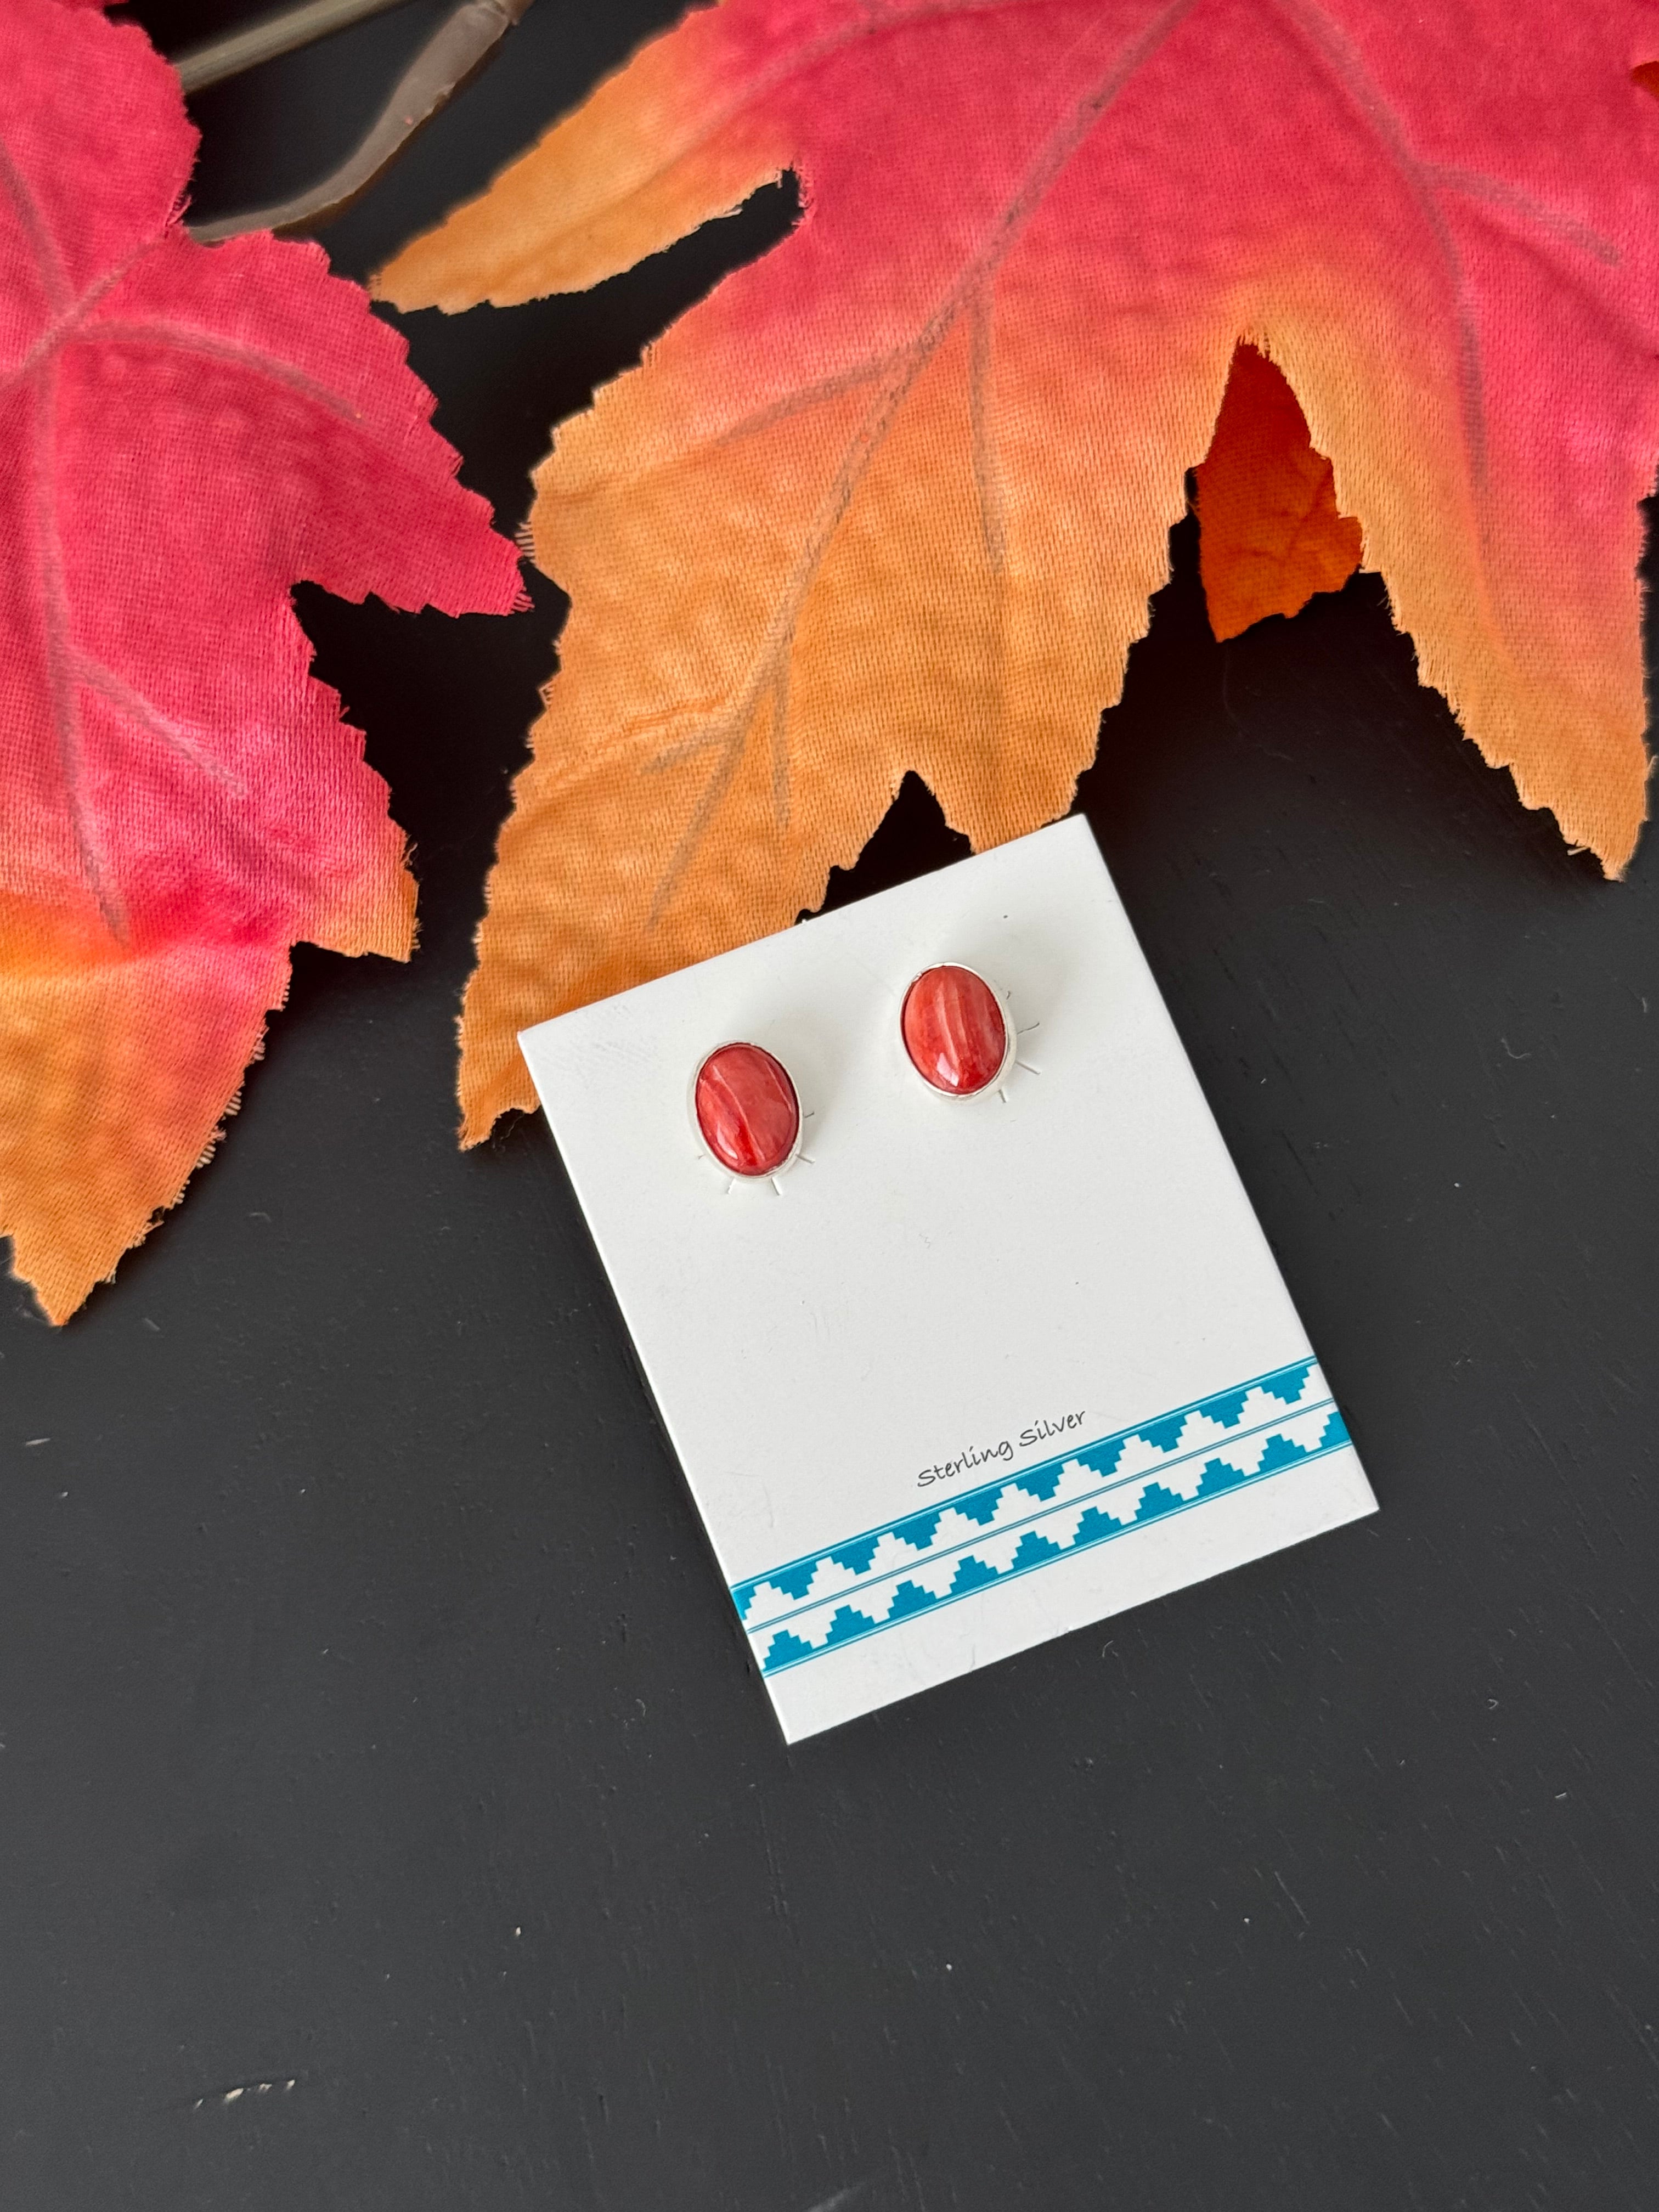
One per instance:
(895,496)
(184,432)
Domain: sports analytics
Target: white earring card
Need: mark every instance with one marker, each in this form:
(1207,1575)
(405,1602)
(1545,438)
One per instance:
(969,1373)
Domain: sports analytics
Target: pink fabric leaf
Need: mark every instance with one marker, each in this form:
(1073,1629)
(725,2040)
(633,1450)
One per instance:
(184,433)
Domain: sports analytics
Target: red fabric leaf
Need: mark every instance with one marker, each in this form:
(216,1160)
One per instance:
(184,432)
(1270,531)
(894,495)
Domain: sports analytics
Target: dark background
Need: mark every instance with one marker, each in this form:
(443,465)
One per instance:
(372,1720)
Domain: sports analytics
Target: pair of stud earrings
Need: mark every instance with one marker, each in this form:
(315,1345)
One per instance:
(955,1035)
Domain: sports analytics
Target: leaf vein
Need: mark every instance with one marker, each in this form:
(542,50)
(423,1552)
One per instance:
(1052,157)
(232,352)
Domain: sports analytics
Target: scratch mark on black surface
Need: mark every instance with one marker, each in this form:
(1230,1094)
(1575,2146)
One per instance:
(840,2200)
(241,2089)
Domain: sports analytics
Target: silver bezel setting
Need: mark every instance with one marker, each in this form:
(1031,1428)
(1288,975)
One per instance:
(737,1175)
(1009,1037)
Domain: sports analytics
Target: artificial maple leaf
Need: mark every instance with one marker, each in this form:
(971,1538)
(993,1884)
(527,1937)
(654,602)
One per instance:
(1270,535)
(896,494)
(183,432)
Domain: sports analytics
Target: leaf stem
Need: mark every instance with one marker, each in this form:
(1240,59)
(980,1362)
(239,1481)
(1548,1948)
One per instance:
(451,57)
(284,32)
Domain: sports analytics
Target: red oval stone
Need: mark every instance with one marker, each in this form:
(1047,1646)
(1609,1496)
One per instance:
(955,1032)
(747,1110)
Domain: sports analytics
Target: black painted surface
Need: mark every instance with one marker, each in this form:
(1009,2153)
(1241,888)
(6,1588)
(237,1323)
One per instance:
(373,1716)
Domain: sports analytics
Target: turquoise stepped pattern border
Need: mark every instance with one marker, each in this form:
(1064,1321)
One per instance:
(990,1535)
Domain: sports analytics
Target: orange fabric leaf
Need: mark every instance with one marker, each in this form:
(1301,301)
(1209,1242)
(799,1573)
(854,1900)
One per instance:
(895,495)
(1269,532)
(184,432)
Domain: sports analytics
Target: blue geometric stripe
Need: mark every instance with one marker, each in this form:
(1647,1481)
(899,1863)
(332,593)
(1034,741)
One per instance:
(849,1624)
(1043,1513)
(1161,1433)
